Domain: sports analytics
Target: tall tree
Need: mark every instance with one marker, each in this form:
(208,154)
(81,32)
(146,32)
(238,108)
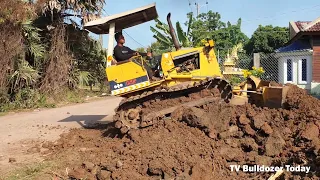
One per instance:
(201,27)
(267,39)
(230,35)
(86,10)
(54,17)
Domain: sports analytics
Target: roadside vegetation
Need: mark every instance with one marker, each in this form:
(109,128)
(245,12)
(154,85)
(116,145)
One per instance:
(46,58)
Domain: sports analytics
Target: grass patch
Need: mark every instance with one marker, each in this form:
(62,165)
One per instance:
(29,99)
(75,96)
(31,172)
(3,113)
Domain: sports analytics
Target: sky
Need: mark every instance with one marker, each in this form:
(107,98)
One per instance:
(252,12)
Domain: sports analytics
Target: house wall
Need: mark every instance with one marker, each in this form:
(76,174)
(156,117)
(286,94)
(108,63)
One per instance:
(315,85)
(292,30)
(316,59)
(296,70)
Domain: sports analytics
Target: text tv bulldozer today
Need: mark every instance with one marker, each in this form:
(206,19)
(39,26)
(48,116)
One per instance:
(184,73)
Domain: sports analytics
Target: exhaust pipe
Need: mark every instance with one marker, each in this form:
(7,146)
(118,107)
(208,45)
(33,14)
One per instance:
(172,33)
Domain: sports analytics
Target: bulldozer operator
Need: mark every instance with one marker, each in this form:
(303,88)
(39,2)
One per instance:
(124,53)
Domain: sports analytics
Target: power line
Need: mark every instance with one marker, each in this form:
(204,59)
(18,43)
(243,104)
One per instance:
(273,17)
(134,39)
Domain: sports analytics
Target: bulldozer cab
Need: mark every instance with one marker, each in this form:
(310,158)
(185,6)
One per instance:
(116,23)
(126,76)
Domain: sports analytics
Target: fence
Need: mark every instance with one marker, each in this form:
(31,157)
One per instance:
(235,67)
(292,67)
(243,61)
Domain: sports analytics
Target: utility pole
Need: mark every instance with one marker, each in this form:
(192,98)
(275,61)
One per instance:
(100,36)
(198,6)
(101,40)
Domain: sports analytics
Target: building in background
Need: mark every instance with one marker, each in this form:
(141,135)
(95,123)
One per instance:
(299,61)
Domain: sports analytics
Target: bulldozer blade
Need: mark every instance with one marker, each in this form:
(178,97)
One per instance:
(275,97)
(239,100)
(164,112)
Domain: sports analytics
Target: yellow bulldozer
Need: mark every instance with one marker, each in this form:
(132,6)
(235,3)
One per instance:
(185,71)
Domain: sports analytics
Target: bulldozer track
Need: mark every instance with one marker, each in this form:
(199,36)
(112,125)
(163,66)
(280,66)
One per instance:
(130,112)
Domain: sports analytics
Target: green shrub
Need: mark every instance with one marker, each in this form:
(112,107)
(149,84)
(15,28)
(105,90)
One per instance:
(234,80)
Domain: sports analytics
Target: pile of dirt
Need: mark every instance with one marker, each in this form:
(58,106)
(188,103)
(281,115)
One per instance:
(167,150)
(249,135)
(200,143)
(300,102)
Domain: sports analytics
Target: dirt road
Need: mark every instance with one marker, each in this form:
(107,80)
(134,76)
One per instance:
(21,130)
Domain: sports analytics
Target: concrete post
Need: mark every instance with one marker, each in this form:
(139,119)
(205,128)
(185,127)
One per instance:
(111,41)
(256,60)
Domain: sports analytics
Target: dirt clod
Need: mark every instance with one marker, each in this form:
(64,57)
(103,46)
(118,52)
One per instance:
(249,130)
(88,166)
(232,154)
(80,173)
(104,175)
(12,160)
(310,132)
(249,144)
(266,129)
(244,120)
(259,120)
(196,117)
(33,150)
(119,164)
(274,144)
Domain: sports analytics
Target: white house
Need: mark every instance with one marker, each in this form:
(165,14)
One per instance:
(299,61)
(295,64)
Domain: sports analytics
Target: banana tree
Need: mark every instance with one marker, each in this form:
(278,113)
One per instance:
(162,34)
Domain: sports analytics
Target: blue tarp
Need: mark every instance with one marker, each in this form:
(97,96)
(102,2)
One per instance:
(299,45)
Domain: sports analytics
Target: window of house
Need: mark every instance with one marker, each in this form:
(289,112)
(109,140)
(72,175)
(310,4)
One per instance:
(289,70)
(304,70)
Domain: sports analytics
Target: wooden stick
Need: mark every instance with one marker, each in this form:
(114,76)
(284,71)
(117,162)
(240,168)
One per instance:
(275,176)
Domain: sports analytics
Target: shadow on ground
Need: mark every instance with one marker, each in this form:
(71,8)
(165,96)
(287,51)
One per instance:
(86,121)
(96,122)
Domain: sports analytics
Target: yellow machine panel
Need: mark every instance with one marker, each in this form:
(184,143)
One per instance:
(125,71)
(126,77)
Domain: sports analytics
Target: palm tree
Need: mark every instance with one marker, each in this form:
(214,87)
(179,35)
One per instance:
(87,10)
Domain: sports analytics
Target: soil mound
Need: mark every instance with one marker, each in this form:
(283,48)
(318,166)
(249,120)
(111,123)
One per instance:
(201,143)
(169,149)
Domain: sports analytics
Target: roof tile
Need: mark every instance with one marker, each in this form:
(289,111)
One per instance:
(302,24)
(315,27)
